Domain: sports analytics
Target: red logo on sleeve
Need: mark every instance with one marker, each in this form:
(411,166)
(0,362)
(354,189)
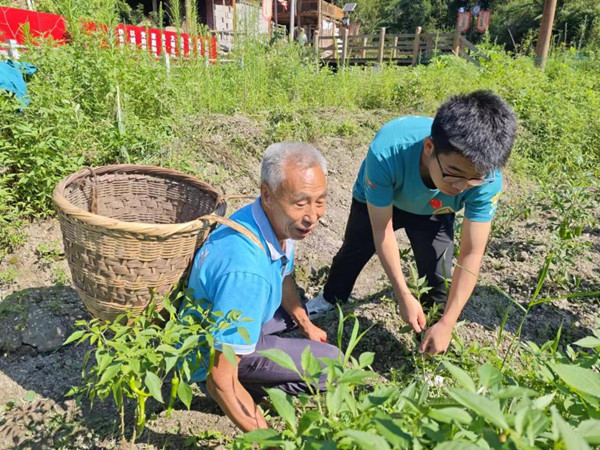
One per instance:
(435,203)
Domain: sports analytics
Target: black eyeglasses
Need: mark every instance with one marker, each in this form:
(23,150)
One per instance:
(456,178)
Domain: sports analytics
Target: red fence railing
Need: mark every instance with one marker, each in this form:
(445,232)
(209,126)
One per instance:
(17,24)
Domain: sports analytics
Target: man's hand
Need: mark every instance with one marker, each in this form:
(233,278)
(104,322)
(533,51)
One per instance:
(411,312)
(436,338)
(314,333)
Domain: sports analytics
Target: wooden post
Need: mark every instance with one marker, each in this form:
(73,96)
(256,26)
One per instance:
(395,49)
(13,49)
(319,15)
(316,41)
(344,46)
(456,42)
(188,14)
(292,18)
(543,43)
(416,46)
(381,46)
(363,53)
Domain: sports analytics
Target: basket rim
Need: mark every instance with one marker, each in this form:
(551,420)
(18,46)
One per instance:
(149,229)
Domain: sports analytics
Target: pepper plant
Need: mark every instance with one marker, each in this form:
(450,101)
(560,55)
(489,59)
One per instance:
(132,358)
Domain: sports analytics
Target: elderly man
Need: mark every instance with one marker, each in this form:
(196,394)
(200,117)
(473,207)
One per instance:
(230,272)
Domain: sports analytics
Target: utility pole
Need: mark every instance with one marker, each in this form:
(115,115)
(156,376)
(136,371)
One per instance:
(543,43)
(292,18)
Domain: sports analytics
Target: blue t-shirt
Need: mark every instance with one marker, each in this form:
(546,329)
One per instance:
(230,272)
(390,175)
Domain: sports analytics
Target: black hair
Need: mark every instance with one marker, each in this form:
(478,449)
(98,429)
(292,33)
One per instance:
(480,126)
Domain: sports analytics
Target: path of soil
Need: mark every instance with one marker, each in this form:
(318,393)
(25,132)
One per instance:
(35,414)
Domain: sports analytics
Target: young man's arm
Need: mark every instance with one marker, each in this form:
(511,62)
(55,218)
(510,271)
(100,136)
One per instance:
(290,301)
(235,401)
(387,250)
(472,246)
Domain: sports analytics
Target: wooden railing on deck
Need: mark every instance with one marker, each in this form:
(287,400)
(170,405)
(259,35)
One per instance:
(396,48)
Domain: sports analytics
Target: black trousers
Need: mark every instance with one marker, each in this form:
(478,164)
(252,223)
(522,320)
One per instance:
(431,238)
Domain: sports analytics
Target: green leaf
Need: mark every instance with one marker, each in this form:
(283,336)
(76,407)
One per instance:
(243,332)
(184,392)
(117,391)
(170,362)
(334,399)
(483,406)
(588,342)
(489,376)
(579,378)
(309,363)
(513,391)
(390,430)
(569,436)
(379,397)
(281,358)
(450,415)
(153,384)
(544,401)
(76,335)
(457,445)
(284,406)
(188,344)
(365,440)
(355,376)
(262,436)
(109,373)
(29,396)
(460,376)
(541,278)
(166,348)
(229,354)
(590,431)
(366,359)
(308,419)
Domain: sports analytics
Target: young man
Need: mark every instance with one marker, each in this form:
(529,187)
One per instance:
(418,172)
(230,272)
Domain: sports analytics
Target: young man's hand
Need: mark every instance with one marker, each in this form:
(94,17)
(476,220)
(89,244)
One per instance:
(411,312)
(314,333)
(437,338)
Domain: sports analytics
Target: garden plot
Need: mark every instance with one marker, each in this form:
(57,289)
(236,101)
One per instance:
(35,283)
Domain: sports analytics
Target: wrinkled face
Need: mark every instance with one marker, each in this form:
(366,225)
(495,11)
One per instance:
(451,173)
(296,206)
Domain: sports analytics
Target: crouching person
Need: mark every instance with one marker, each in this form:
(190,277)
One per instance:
(231,272)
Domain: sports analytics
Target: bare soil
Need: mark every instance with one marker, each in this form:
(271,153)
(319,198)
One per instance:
(34,412)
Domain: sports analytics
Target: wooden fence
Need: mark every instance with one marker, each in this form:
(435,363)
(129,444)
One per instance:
(408,49)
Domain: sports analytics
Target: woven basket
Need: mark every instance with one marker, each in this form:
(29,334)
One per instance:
(130,232)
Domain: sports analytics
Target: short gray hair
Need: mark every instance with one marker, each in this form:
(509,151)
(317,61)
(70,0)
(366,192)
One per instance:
(278,156)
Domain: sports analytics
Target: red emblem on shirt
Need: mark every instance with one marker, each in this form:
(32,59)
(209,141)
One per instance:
(435,203)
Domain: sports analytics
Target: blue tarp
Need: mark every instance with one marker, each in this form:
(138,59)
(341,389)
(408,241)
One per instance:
(12,80)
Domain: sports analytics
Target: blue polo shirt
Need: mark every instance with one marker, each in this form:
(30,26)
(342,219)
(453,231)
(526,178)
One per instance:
(390,175)
(230,272)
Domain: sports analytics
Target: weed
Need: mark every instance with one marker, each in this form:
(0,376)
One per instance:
(9,275)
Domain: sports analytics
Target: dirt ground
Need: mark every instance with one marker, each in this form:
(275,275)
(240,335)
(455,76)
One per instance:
(34,412)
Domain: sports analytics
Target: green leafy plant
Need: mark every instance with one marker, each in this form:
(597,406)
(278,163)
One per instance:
(134,357)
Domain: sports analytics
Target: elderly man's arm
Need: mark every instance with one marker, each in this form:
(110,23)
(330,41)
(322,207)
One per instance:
(290,300)
(235,401)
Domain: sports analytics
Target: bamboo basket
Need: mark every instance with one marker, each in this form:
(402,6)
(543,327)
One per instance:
(130,233)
